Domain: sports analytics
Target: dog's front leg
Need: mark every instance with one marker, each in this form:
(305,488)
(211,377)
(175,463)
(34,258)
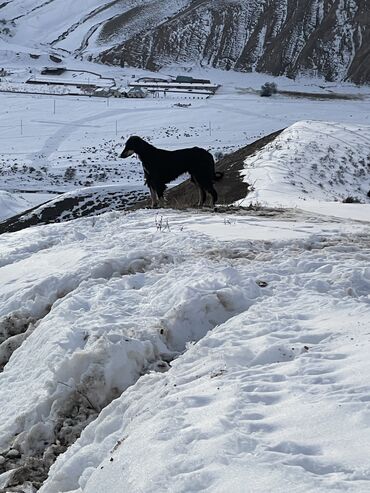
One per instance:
(154,196)
(163,201)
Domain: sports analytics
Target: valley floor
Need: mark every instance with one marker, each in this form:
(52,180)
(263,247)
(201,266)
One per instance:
(58,144)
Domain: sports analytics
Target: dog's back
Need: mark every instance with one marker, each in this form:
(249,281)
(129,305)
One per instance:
(193,159)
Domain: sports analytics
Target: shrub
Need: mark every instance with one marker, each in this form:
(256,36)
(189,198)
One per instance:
(351,200)
(268,89)
(70,173)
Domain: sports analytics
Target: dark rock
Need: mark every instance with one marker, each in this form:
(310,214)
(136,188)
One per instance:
(55,59)
(13,454)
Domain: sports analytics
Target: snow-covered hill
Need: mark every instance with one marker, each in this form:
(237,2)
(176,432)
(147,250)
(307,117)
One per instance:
(189,351)
(322,37)
(12,204)
(312,161)
(273,397)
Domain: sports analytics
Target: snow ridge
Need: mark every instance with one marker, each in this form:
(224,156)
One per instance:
(90,357)
(311,161)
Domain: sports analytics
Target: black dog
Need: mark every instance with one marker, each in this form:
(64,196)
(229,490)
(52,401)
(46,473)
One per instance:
(161,167)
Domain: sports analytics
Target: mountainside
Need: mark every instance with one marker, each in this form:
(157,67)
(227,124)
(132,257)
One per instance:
(321,37)
(329,38)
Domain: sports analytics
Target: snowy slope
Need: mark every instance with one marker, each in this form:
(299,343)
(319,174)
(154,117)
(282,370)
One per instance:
(254,406)
(71,26)
(11,204)
(311,161)
(321,37)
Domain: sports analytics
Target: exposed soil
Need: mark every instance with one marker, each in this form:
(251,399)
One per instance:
(321,96)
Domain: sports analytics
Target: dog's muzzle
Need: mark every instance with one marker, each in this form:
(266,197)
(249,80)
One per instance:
(127,153)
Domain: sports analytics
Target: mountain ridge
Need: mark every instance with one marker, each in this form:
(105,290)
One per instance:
(324,38)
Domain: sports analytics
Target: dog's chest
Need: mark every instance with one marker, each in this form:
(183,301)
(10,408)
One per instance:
(145,166)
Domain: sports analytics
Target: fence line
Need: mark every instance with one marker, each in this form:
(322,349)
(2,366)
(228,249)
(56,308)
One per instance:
(27,130)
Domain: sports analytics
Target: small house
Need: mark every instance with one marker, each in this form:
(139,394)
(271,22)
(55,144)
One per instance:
(137,92)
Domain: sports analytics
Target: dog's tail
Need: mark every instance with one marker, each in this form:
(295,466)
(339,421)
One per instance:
(218,175)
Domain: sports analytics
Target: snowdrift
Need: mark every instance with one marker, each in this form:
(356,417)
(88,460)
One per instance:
(311,161)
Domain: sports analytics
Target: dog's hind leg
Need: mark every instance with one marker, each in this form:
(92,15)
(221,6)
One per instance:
(202,196)
(213,193)
(202,193)
(160,188)
(201,190)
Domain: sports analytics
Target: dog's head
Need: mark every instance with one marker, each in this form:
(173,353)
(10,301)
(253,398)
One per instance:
(133,146)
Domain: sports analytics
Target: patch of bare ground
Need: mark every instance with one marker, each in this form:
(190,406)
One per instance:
(322,96)
(308,95)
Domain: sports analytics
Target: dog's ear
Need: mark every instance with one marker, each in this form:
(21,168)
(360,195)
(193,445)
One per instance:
(135,142)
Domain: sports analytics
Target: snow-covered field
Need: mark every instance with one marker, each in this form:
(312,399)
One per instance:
(194,351)
(12,204)
(273,397)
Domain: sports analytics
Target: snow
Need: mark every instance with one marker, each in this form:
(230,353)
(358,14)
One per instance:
(322,161)
(15,203)
(239,406)
(10,204)
(223,351)
(358,212)
(69,26)
(239,227)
